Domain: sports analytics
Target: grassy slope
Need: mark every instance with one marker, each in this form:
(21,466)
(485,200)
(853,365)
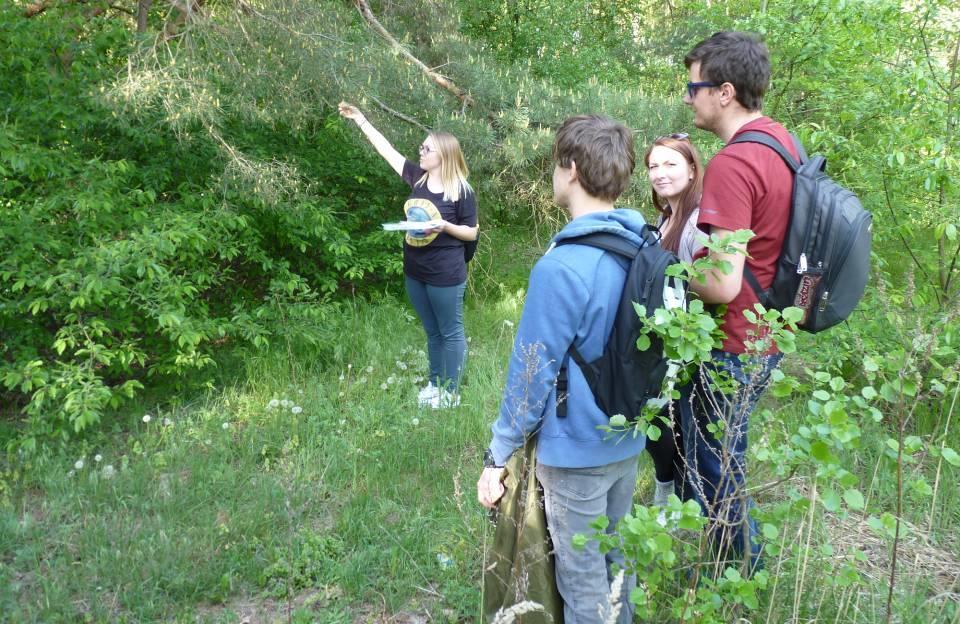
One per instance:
(358,508)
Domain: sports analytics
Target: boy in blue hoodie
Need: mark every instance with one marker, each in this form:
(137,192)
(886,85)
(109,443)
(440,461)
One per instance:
(572,299)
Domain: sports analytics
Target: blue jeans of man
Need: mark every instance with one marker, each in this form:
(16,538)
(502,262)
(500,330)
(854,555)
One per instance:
(440,309)
(715,425)
(575,497)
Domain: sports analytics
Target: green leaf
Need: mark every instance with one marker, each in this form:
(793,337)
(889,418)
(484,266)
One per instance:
(854,499)
(951,456)
(653,432)
(830,500)
(770,531)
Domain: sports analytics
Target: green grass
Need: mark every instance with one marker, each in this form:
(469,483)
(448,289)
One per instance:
(361,506)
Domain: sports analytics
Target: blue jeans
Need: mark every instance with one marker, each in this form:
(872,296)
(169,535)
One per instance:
(440,309)
(716,460)
(575,497)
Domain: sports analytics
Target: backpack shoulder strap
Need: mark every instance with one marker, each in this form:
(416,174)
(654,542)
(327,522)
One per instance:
(775,145)
(606,241)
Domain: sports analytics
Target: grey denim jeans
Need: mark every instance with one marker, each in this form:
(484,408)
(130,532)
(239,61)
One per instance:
(574,498)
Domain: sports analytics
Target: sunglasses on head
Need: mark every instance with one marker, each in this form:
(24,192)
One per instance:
(677,136)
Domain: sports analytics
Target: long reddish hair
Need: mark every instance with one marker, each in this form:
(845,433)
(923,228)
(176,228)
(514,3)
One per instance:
(690,196)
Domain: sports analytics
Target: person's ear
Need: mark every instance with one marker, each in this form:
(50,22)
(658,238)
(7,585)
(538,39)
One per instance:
(728,93)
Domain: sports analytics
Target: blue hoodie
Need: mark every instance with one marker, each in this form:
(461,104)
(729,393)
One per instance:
(571,299)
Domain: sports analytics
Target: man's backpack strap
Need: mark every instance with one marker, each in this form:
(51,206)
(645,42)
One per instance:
(775,145)
(765,139)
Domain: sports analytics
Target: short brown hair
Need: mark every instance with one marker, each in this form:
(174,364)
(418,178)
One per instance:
(738,58)
(603,151)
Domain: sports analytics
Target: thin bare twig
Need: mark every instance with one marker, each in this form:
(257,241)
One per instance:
(440,80)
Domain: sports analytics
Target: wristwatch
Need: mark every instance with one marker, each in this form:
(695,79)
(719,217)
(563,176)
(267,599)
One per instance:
(488,461)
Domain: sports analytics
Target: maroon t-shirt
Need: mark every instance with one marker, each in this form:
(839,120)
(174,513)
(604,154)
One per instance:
(748,186)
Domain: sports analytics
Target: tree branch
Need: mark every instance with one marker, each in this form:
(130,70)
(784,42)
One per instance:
(896,222)
(185,12)
(399,115)
(440,80)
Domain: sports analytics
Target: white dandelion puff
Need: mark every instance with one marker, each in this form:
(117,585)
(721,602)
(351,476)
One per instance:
(147,418)
(108,471)
(98,458)
(296,409)
(273,403)
(415,422)
(369,369)
(383,386)
(225,425)
(78,465)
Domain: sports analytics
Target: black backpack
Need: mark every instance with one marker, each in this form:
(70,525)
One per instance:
(624,378)
(825,260)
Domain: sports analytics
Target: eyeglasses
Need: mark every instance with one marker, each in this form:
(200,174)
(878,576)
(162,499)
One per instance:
(693,86)
(677,136)
(426,149)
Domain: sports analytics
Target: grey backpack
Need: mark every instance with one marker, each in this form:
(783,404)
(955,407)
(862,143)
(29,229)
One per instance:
(825,260)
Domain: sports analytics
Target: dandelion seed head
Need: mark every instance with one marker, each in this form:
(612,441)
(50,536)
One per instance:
(225,425)
(349,366)
(383,386)
(342,394)
(147,418)
(342,377)
(108,471)
(369,369)
(98,458)
(415,422)
(167,422)
(273,403)
(390,380)
(78,465)
(508,322)
(285,403)
(296,409)
(401,365)
(362,380)
(70,473)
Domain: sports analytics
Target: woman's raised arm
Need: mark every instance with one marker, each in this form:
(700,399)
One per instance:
(394,158)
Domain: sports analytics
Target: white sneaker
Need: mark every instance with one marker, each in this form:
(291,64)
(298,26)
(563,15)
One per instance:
(427,394)
(445,399)
(661,495)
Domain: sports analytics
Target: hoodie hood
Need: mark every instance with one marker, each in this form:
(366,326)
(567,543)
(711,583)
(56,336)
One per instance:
(624,222)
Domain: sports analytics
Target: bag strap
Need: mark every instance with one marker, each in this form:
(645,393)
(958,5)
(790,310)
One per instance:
(765,139)
(614,244)
(775,145)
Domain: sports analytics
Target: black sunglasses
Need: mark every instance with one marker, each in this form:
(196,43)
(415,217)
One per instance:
(692,87)
(678,136)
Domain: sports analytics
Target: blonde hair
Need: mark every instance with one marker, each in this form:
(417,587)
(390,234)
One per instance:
(453,168)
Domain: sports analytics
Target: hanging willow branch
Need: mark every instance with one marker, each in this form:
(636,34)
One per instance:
(439,79)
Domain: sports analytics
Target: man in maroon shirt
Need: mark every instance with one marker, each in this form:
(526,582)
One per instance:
(746,186)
